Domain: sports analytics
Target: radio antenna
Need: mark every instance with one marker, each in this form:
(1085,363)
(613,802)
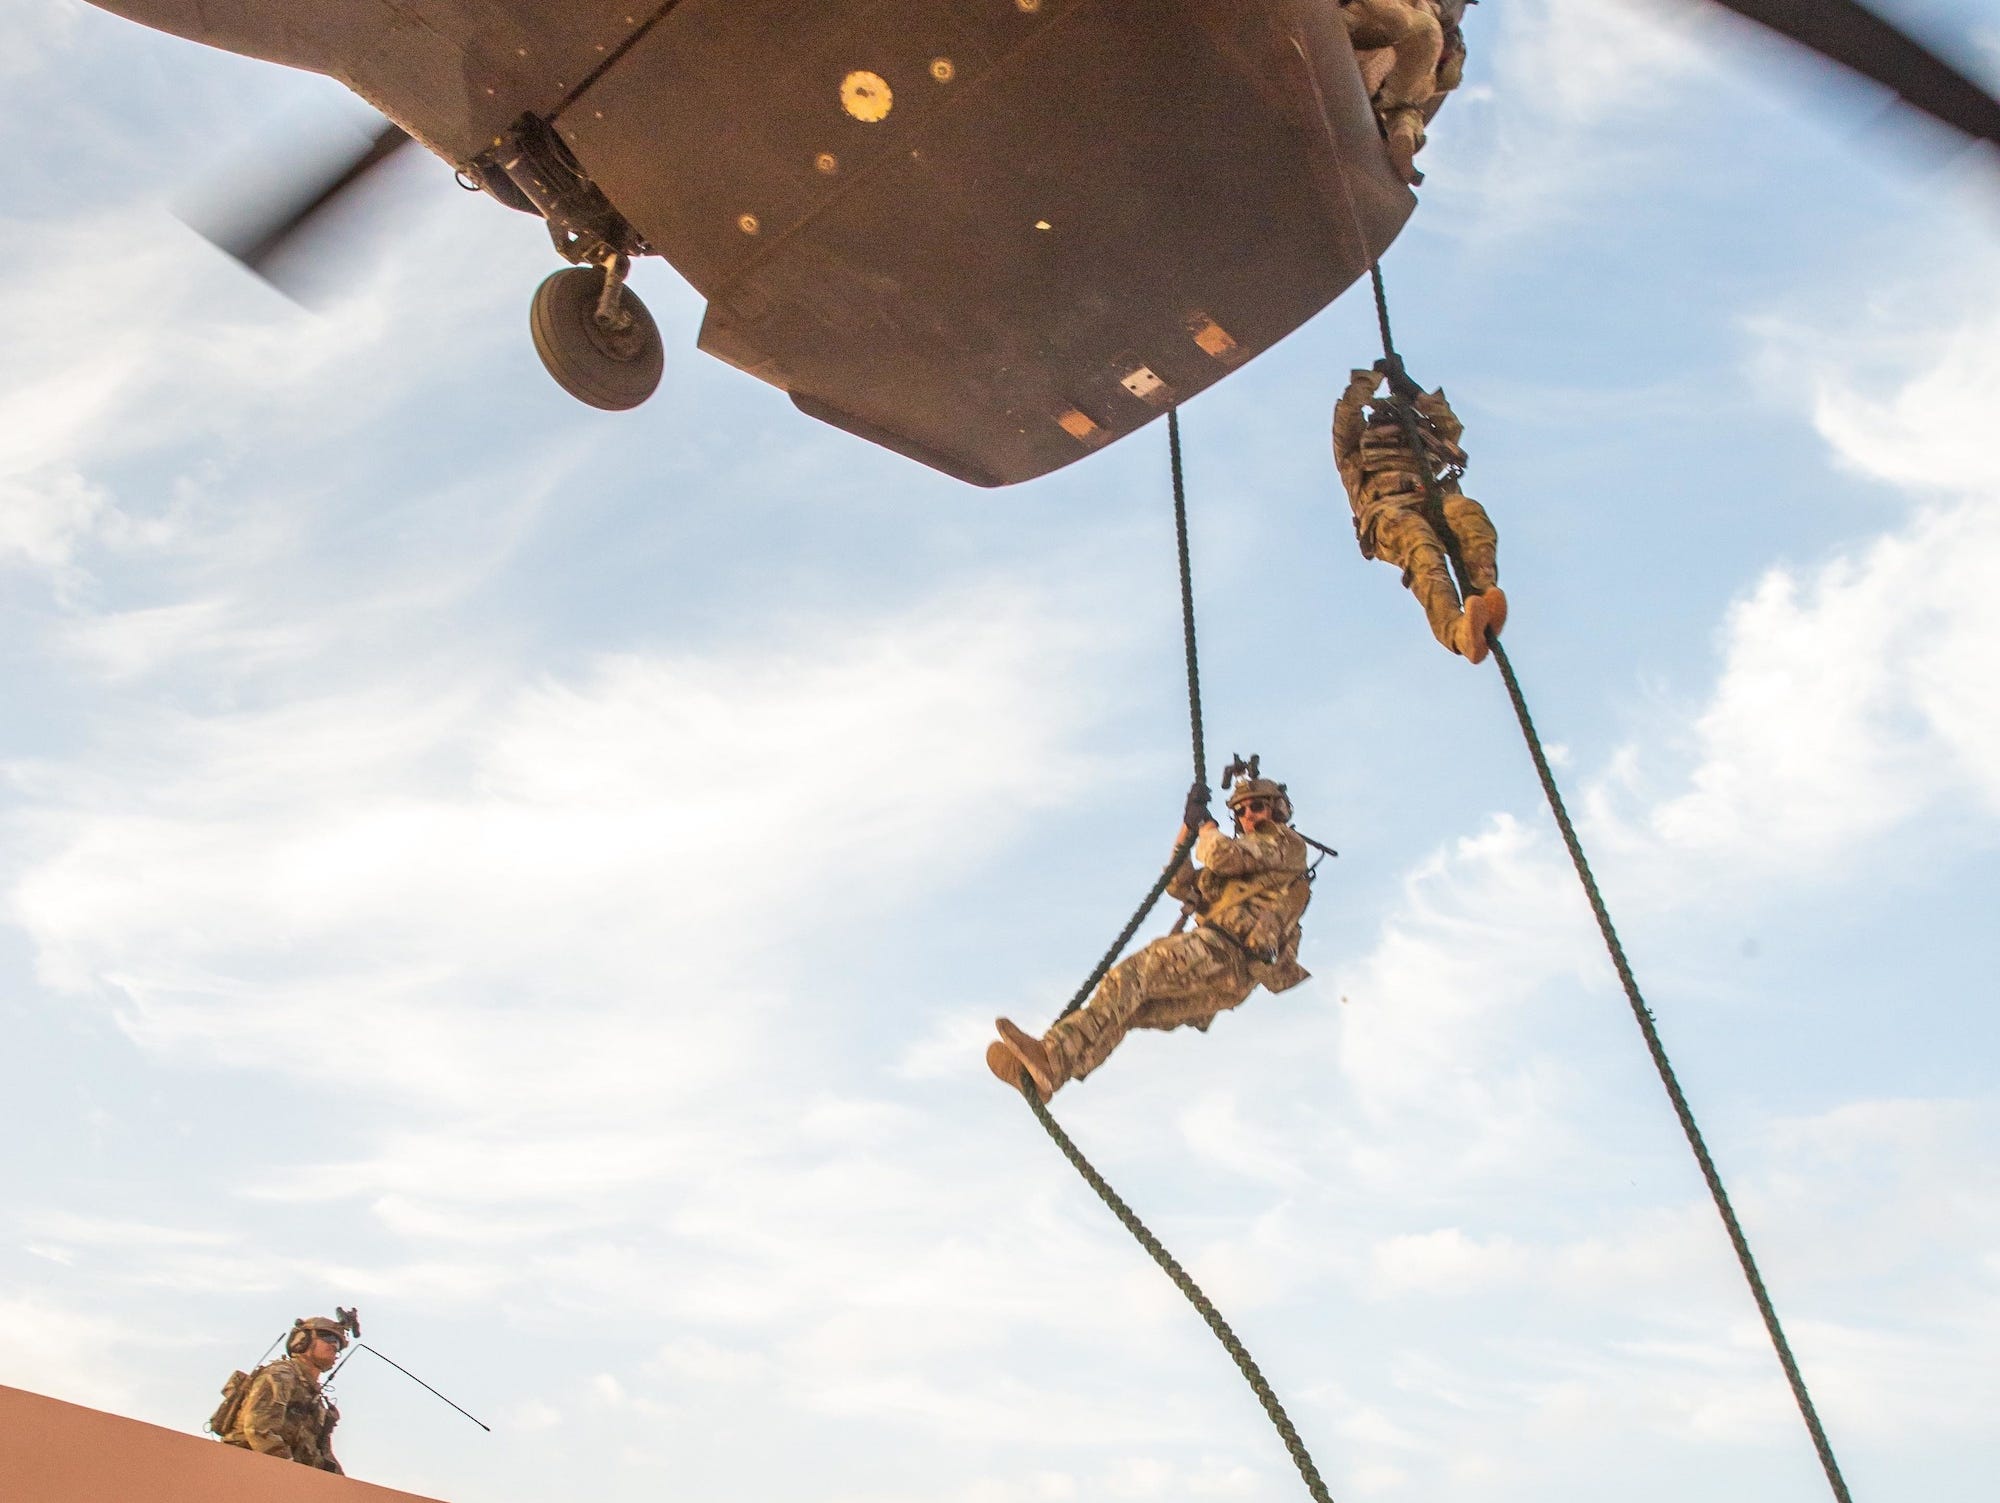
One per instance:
(362,1346)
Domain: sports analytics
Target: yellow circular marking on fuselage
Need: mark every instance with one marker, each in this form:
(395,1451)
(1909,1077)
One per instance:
(866,96)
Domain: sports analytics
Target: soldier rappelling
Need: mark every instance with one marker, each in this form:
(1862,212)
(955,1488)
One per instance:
(1246,893)
(1389,478)
(279,1410)
(1429,62)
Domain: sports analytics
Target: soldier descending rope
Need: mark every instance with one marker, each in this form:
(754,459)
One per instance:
(1428,49)
(1246,897)
(1386,475)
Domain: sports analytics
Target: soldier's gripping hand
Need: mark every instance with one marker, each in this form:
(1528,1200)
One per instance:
(1363,384)
(1400,384)
(1196,814)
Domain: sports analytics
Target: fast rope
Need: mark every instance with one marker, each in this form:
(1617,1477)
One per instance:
(1203,1305)
(1194,722)
(1643,1014)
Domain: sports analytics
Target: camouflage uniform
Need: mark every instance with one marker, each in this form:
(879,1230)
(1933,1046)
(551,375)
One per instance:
(1385,486)
(285,1414)
(1248,895)
(1429,62)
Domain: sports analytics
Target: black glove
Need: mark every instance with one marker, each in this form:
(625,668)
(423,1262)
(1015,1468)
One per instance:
(1400,384)
(1196,814)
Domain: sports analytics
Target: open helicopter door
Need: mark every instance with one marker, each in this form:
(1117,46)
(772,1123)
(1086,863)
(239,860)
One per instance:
(995,235)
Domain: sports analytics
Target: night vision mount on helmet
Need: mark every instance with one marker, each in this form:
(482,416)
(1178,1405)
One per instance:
(1243,781)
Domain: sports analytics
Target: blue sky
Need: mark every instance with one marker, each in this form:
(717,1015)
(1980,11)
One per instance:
(545,877)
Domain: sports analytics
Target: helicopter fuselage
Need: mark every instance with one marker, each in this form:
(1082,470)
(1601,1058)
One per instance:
(993,235)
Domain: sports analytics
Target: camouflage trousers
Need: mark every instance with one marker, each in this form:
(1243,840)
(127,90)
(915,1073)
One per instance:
(1181,979)
(1397,530)
(1417,37)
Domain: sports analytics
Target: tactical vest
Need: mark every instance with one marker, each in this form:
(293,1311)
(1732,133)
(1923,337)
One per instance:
(309,1418)
(1261,913)
(1385,449)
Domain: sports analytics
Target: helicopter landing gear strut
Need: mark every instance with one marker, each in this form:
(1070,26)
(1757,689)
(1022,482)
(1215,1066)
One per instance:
(595,336)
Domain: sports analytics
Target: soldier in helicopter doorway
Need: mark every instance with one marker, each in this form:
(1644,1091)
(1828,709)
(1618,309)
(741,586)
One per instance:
(1246,896)
(279,1410)
(1428,51)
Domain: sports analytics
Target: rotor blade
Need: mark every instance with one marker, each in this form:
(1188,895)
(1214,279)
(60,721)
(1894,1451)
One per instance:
(256,243)
(1854,36)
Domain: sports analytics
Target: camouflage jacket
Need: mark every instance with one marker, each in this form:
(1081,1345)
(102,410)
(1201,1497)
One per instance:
(1254,889)
(1374,455)
(285,1414)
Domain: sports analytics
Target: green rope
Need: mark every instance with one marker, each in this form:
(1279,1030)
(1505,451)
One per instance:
(1082,993)
(1204,1306)
(1649,1027)
(1245,1364)
(1434,500)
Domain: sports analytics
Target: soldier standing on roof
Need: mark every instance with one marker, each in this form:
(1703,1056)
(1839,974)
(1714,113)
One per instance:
(1429,52)
(1246,895)
(1385,476)
(279,1409)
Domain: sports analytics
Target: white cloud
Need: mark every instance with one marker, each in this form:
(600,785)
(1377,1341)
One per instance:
(653,816)
(125,645)
(36,31)
(1566,76)
(1860,693)
(1443,1262)
(43,520)
(1577,61)
(1371,1426)
(51,1349)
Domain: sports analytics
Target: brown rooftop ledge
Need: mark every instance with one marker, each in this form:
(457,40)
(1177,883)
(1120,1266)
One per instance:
(52,1452)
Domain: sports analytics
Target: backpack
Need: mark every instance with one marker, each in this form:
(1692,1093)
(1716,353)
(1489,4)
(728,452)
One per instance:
(234,1392)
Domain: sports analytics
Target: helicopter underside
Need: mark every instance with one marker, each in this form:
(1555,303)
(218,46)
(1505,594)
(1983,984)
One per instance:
(992,235)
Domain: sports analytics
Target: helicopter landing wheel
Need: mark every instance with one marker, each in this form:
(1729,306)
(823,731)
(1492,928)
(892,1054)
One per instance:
(610,367)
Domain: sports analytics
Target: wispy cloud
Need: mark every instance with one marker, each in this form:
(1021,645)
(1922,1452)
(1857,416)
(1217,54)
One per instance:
(1569,80)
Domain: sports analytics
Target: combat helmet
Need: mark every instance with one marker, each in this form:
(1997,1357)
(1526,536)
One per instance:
(306,1328)
(1245,781)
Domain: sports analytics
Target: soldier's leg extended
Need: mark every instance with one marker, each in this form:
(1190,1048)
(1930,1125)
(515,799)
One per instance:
(1479,548)
(1417,39)
(1478,543)
(1198,964)
(1403,537)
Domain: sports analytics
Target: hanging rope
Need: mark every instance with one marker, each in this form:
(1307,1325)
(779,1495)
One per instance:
(1644,1016)
(1204,1306)
(1194,724)
(1658,1050)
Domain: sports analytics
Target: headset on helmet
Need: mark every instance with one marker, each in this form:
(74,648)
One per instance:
(308,1329)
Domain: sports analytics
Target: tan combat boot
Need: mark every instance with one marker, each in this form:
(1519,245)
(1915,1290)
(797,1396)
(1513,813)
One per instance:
(1486,614)
(1468,640)
(1403,128)
(1017,1050)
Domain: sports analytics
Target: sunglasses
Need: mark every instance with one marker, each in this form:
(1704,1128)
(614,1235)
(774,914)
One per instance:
(1256,806)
